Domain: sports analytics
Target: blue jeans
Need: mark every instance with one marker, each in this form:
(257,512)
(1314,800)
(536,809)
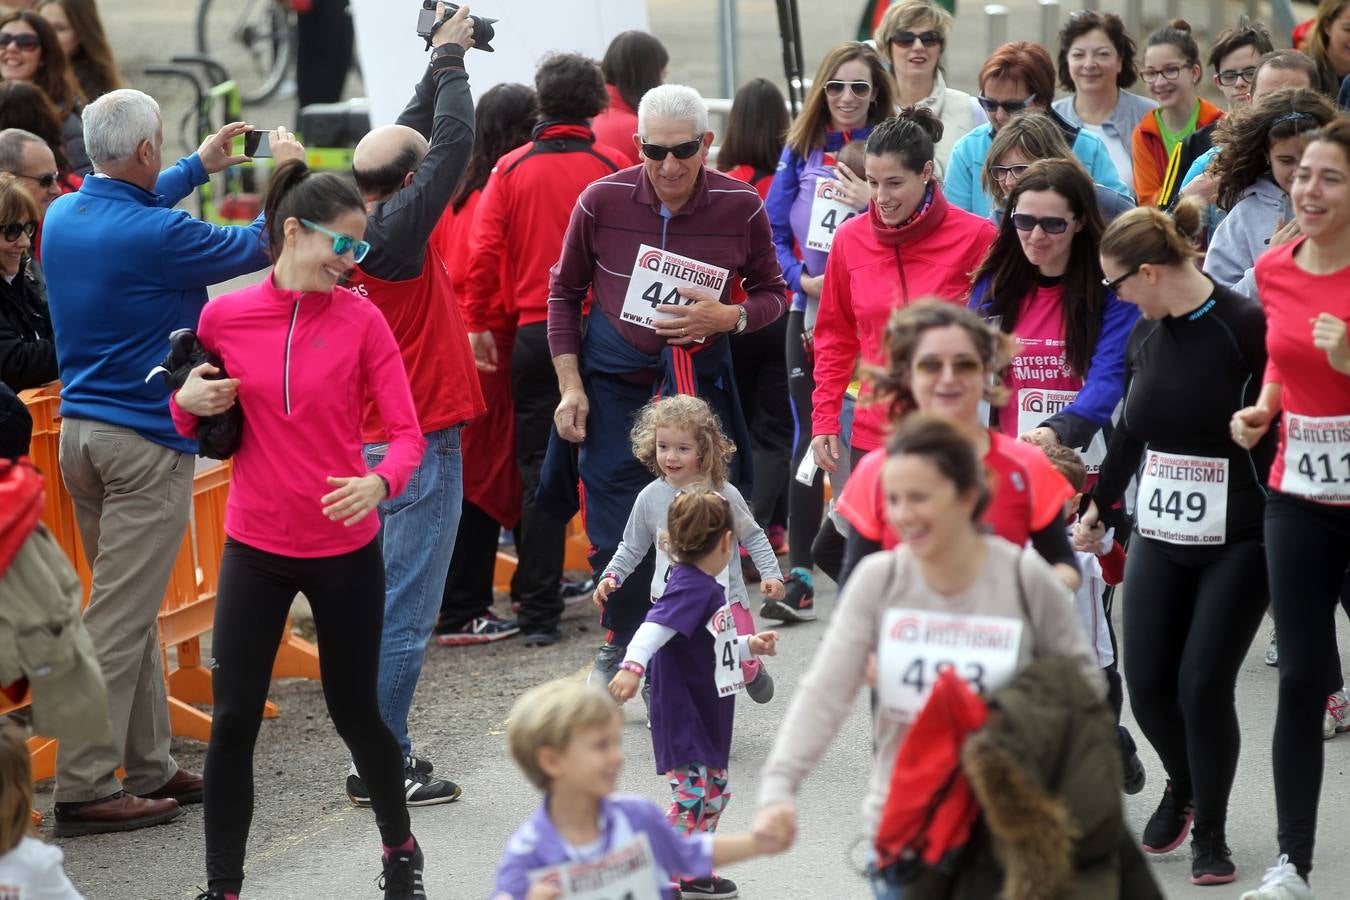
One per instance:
(417,533)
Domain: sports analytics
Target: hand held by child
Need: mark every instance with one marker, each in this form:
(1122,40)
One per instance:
(775,828)
(764,644)
(624,685)
(606,587)
(772,588)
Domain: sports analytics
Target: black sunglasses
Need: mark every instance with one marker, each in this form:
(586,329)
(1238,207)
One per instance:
(43,181)
(1009,106)
(12,231)
(22,41)
(1049,224)
(860,89)
(907,38)
(1229,77)
(1113,284)
(658,152)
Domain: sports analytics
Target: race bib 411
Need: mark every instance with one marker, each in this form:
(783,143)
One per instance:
(657,278)
(1317,458)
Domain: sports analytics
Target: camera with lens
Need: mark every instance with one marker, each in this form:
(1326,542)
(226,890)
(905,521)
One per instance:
(427,23)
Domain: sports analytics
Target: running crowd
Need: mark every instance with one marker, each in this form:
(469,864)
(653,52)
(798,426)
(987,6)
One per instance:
(1038,347)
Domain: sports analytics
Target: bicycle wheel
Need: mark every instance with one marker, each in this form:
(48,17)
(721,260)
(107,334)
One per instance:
(251,39)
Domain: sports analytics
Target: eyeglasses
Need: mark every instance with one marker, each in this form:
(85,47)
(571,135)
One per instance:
(860,89)
(1007,173)
(43,181)
(1049,224)
(1113,284)
(1009,106)
(22,41)
(1168,73)
(342,243)
(12,231)
(961,365)
(907,38)
(658,152)
(1229,77)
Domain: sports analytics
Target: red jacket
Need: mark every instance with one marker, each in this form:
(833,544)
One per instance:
(523,216)
(616,126)
(873,270)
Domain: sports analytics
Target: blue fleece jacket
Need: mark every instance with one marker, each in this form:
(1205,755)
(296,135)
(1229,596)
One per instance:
(124,269)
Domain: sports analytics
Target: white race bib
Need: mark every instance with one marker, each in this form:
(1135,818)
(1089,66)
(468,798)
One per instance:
(1183,499)
(827,214)
(657,275)
(1317,458)
(664,566)
(1035,405)
(916,645)
(729,678)
(628,873)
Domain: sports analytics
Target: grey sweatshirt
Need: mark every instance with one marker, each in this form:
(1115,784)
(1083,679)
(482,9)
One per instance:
(1244,234)
(889,580)
(648,520)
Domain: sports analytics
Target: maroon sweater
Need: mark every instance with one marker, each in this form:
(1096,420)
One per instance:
(723,223)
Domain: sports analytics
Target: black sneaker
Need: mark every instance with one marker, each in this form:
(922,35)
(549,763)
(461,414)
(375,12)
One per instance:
(543,637)
(402,875)
(420,790)
(606,665)
(577,591)
(713,888)
(210,895)
(761,689)
(1211,860)
(1170,823)
(420,766)
(481,630)
(1132,768)
(798,603)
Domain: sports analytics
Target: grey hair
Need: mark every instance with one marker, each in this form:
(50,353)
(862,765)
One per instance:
(116,123)
(673,101)
(12,142)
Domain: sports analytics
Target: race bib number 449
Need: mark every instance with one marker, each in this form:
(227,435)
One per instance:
(657,278)
(1183,499)
(1317,458)
(916,645)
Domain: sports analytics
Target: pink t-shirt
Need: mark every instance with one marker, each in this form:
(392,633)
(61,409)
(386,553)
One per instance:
(1040,365)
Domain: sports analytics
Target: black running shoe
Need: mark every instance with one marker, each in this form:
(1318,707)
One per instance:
(421,790)
(713,888)
(420,766)
(1170,823)
(798,603)
(402,875)
(1211,860)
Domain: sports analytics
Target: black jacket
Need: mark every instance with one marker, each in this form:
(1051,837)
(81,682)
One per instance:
(27,347)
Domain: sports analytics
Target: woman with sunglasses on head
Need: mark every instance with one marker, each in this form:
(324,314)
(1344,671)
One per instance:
(1196,568)
(303,355)
(1042,283)
(80,31)
(27,348)
(1097,63)
(1261,149)
(913,35)
(30,51)
(1172,72)
(1026,139)
(810,198)
(1304,287)
(1018,77)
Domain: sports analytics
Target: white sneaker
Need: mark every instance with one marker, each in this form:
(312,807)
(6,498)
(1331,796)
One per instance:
(1282,882)
(1337,718)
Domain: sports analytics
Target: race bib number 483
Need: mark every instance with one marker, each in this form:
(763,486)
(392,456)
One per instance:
(916,645)
(1317,458)
(657,277)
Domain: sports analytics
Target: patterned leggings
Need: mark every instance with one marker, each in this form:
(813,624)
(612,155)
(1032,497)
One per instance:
(698,794)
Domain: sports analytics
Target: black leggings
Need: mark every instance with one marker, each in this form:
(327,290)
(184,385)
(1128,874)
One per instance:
(1308,549)
(1189,619)
(256,589)
(761,381)
(806,504)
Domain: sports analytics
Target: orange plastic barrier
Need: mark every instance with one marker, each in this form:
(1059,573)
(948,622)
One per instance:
(188,608)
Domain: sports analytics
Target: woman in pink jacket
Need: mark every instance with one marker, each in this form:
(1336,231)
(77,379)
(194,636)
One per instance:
(911,245)
(303,355)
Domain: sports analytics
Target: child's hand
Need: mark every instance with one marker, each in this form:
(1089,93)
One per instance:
(624,685)
(764,644)
(772,588)
(546,888)
(775,828)
(606,587)
(1088,538)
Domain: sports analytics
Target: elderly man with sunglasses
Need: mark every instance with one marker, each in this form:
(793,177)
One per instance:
(656,248)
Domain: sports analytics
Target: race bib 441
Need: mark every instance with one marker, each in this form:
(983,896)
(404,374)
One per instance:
(657,278)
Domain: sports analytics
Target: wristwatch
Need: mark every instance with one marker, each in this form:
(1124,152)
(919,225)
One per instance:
(742,319)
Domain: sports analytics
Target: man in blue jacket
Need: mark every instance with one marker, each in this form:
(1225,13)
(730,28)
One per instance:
(124,269)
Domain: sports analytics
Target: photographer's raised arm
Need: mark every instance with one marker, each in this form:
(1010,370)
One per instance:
(442,110)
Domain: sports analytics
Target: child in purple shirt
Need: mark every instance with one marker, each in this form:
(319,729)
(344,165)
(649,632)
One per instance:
(690,639)
(568,740)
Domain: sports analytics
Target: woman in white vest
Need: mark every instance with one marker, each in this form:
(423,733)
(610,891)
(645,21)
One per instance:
(912,36)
